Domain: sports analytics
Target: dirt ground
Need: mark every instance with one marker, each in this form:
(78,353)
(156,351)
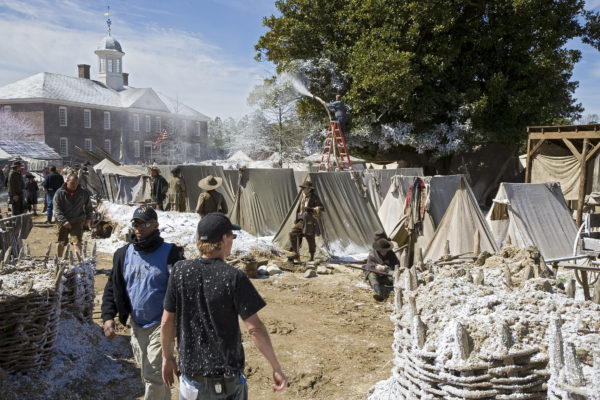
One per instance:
(332,339)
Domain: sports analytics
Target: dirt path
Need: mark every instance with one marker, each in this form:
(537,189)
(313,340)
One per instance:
(332,339)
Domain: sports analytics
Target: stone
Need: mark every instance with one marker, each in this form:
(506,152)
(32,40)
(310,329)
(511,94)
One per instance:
(310,273)
(262,270)
(273,269)
(322,270)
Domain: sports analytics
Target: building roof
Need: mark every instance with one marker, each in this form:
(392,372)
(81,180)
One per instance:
(10,149)
(57,87)
(109,43)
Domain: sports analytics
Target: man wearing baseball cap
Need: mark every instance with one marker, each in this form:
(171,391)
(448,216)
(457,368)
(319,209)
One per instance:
(204,298)
(136,287)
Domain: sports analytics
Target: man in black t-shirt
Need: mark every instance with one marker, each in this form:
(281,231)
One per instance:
(204,298)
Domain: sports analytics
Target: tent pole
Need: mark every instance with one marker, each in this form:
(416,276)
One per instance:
(528,163)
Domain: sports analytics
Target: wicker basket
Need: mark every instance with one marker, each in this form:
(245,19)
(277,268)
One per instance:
(78,291)
(28,330)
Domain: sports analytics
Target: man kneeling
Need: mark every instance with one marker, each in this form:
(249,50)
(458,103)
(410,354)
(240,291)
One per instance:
(381,260)
(204,298)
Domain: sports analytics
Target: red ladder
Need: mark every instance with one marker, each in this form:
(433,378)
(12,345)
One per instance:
(335,142)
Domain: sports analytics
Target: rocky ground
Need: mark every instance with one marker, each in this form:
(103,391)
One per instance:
(332,339)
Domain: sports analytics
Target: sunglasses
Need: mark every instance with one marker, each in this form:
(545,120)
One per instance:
(233,235)
(137,224)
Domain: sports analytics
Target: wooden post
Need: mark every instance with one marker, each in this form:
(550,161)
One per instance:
(528,162)
(476,244)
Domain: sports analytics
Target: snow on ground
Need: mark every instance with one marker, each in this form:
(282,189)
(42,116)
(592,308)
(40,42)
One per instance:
(175,227)
(82,352)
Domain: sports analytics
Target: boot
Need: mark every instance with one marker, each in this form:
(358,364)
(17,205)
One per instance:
(378,295)
(312,256)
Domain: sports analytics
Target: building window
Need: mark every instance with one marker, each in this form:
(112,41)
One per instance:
(158,124)
(107,145)
(87,144)
(110,65)
(136,148)
(7,109)
(106,121)
(118,62)
(198,151)
(198,129)
(147,149)
(136,123)
(148,123)
(64,147)
(102,65)
(62,116)
(87,119)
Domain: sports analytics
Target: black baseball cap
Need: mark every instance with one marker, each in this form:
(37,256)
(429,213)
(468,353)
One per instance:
(213,226)
(145,213)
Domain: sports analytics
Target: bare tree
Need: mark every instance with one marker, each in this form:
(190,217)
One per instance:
(15,127)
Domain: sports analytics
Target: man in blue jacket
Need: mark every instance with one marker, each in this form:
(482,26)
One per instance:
(136,287)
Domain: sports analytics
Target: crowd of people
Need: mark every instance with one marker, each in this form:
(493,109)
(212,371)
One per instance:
(163,296)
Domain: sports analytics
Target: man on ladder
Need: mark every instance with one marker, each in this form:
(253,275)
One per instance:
(335,142)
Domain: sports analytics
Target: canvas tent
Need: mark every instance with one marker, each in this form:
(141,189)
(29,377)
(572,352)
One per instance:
(458,226)
(263,199)
(441,190)
(348,223)
(533,214)
(192,173)
(378,181)
(121,184)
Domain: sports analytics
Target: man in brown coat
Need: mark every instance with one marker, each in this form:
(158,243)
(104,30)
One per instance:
(15,188)
(211,200)
(307,223)
(177,192)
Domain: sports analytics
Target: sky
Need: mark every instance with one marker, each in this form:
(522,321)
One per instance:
(199,52)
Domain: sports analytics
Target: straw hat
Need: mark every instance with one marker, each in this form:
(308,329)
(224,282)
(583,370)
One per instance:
(210,182)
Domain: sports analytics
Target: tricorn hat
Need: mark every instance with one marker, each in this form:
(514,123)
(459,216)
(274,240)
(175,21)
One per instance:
(210,182)
(307,184)
(382,245)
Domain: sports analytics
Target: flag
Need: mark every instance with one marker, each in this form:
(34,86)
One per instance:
(161,137)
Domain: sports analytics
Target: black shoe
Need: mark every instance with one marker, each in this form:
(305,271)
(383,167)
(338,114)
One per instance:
(378,297)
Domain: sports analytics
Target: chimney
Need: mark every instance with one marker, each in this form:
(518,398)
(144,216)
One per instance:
(84,71)
(125,79)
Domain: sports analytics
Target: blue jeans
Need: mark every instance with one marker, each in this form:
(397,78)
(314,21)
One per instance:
(49,198)
(192,389)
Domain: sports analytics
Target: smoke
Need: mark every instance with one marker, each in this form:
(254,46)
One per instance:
(298,85)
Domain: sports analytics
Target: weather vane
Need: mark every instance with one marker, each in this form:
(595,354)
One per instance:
(108,21)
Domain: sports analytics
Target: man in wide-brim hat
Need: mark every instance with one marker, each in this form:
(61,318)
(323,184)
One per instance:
(381,259)
(15,188)
(211,201)
(177,194)
(306,224)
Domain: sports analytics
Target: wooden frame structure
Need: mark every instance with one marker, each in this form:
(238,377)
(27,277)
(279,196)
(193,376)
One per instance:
(585,135)
(575,137)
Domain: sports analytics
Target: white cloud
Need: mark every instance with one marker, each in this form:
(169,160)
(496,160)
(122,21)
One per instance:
(56,36)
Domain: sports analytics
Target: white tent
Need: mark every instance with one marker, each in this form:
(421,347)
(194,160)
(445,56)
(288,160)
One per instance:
(458,226)
(533,214)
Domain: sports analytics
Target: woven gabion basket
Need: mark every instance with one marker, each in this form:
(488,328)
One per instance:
(28,319)
(78,291)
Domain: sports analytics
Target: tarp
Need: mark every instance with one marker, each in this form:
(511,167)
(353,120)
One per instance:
(533,214)
(192,173)
(133,189)
(232,176)
(458,226)
(94,183)
(263,199)
(378,181)
(108,167)
(554,163)
(300,177)
(348,223)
